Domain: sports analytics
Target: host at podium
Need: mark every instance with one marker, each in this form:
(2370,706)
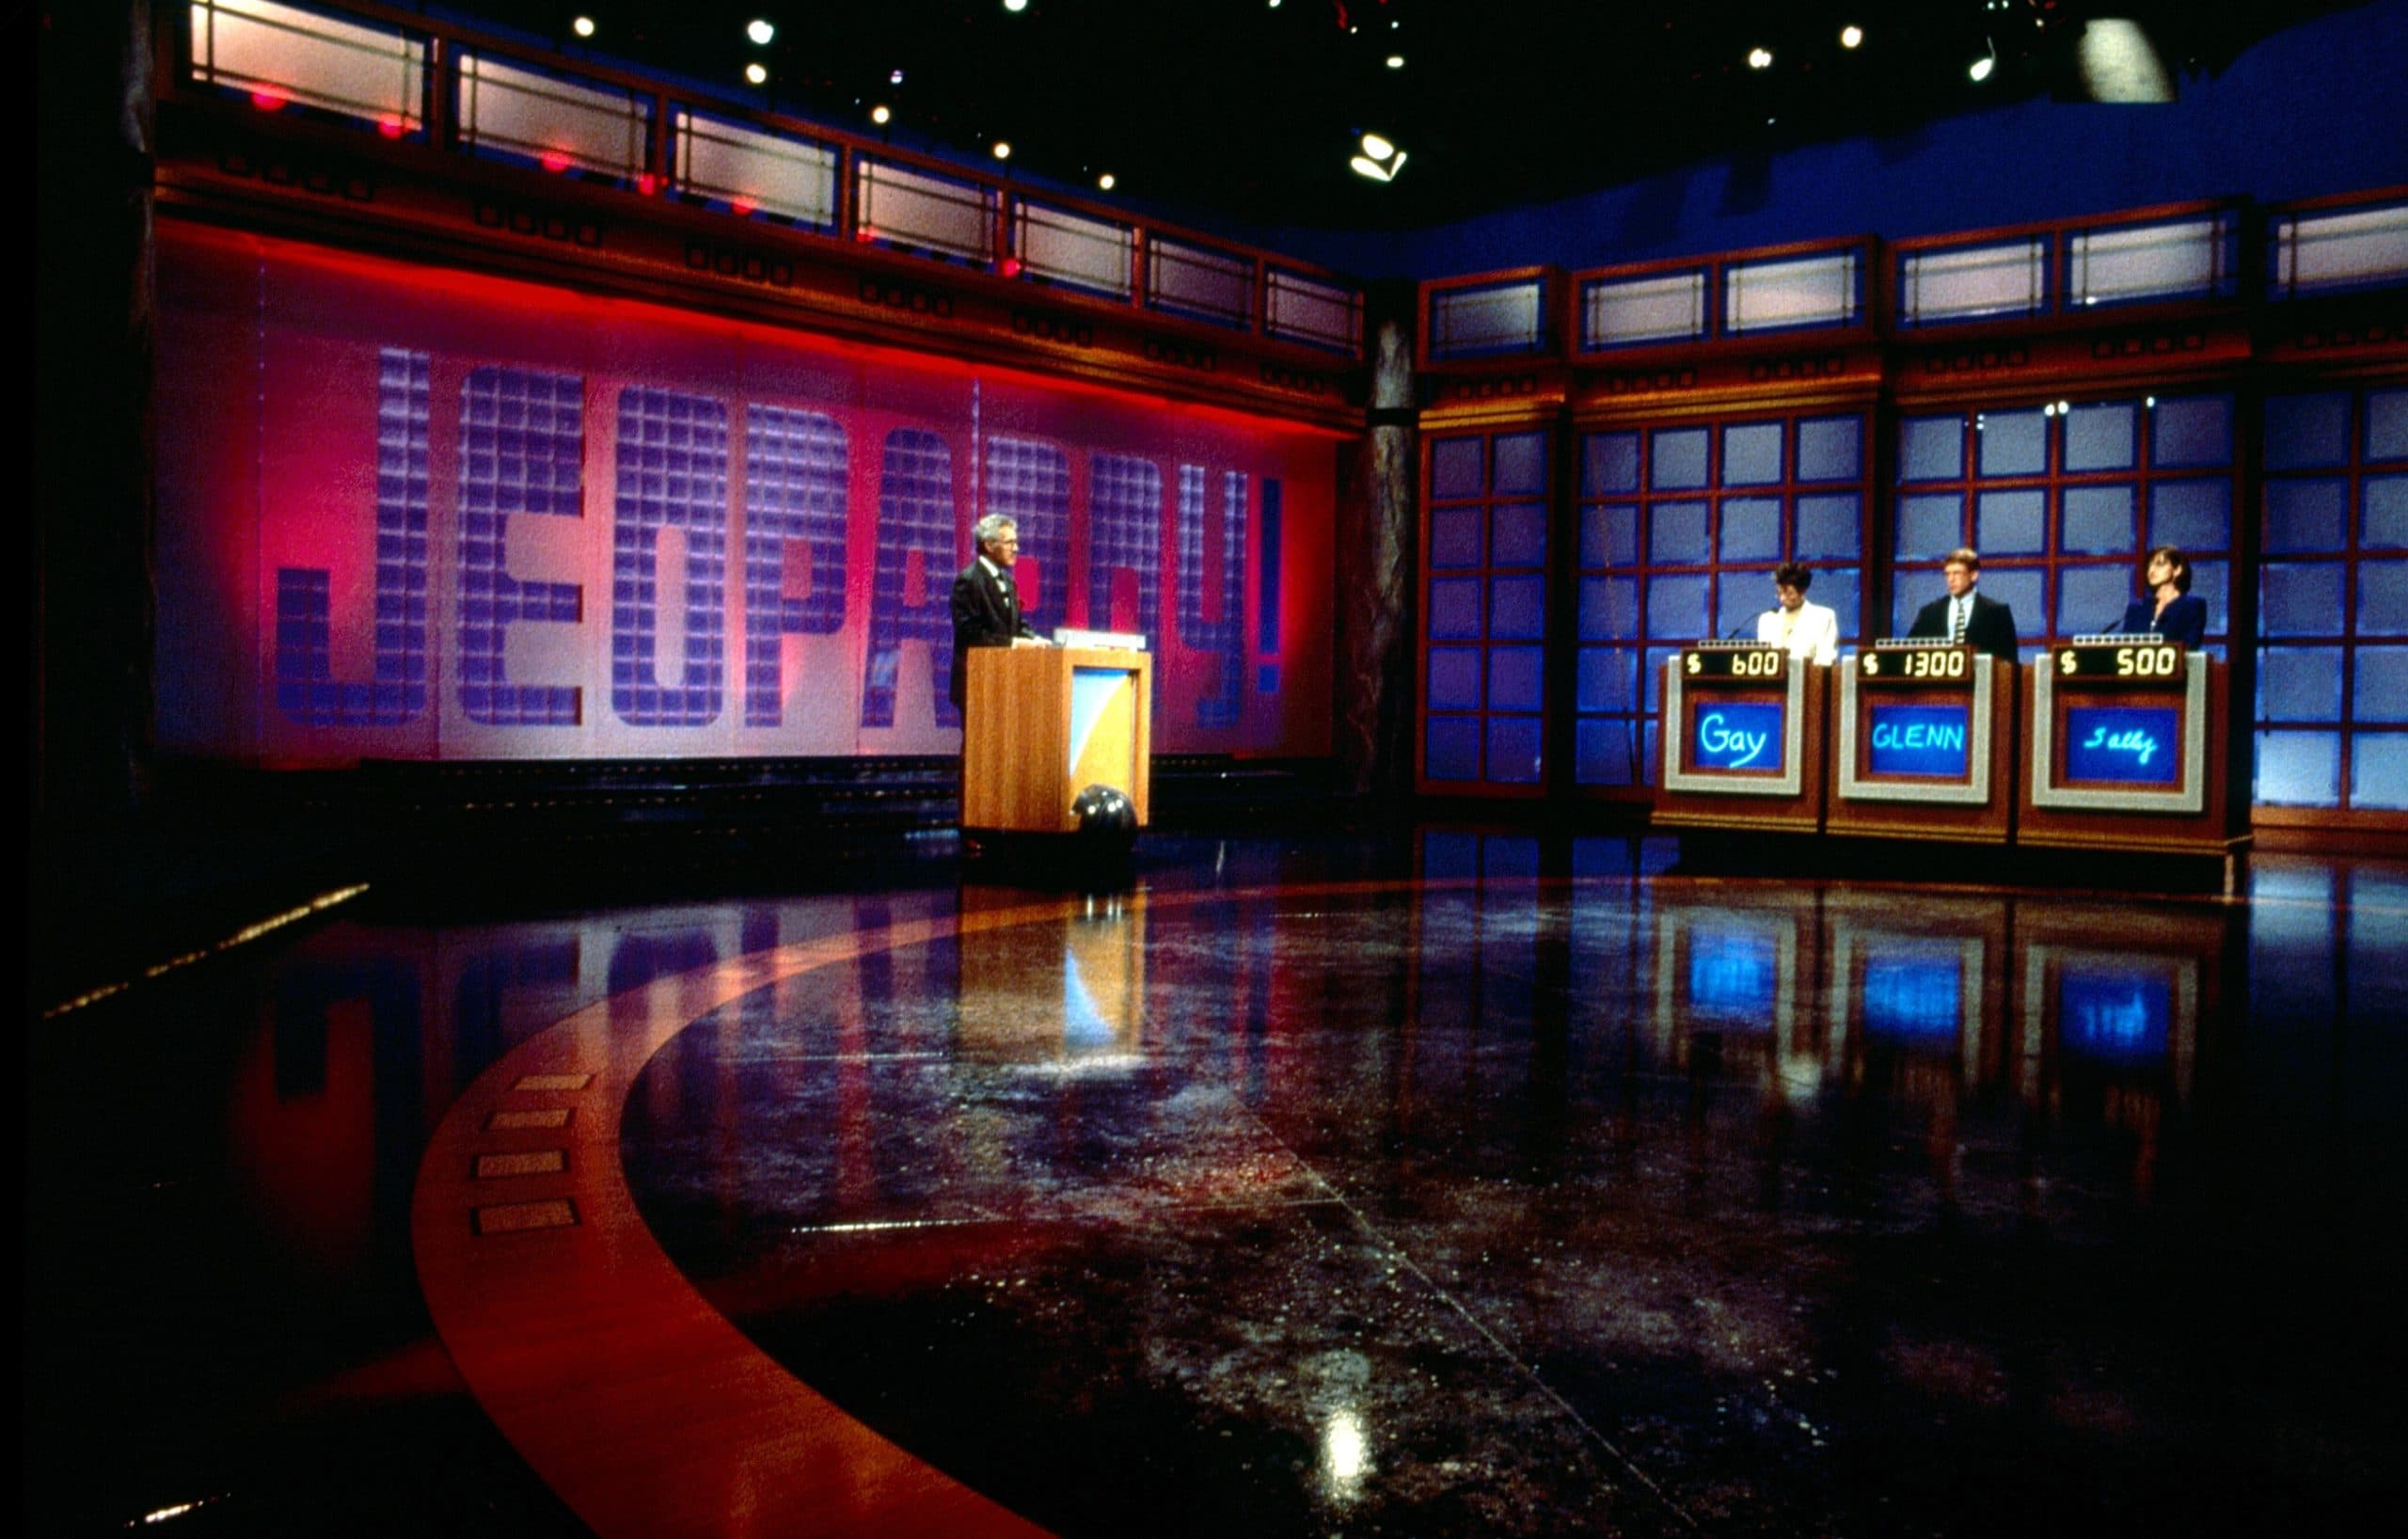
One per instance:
(985,605)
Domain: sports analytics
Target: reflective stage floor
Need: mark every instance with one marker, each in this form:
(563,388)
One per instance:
(1458,1185)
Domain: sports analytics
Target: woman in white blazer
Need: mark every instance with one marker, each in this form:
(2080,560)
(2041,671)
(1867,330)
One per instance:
(1809,631)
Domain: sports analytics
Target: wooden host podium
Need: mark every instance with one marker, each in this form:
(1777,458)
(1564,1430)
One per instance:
(1042,725)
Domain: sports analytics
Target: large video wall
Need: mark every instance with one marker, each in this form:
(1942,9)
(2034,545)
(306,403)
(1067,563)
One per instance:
(408,512)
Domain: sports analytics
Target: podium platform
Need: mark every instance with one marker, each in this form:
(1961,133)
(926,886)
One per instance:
(1042,725)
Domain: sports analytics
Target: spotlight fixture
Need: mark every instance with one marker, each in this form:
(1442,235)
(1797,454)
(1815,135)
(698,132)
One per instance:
(1015,7)
(760,31)
(1106,181)
(1396,61)
(1851,36)
(1378,159)
(1980,69)
(758,72)
(894,77)
(1002,149)
(879,114)
(583,27)
(1759,58)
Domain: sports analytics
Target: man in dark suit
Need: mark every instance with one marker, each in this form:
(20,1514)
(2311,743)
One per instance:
(986,606)
(1965,615)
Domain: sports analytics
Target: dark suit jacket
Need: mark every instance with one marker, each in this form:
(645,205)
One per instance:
(985,612)
(1991,626)
(2185,620)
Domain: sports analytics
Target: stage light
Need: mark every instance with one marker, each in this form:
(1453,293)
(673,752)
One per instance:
(1980,69)
(1759,58)
(1380,160)
(583,27)
(2118,63)
(1851,36)
(1377,147)
(879,114)
(1106,181)
(1002,149)
(894,77)
(760,32)
(1396,61)
(758,72)
(1015,7)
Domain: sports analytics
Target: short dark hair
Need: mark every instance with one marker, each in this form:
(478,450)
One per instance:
(1789,573)
(2181,566)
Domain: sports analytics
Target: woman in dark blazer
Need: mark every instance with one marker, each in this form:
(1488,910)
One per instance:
(2169,611)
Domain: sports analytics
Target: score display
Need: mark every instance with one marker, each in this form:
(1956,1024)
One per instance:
(1937,664)
(2138,662)
(1769,664)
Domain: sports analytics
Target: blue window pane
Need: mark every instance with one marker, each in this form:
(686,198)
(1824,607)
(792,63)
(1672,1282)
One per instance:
(1607,679)
(1609,536)
(1676,458)
(2299,683)
(2197,430)
(1518,535)
(2014,443)
(2025,591)
(1517,608)
(2300,599)
(2092,598)
(2097,520)
(2383,598)
(1515,678)
(1831,449)
(1446,856)
(1676,608)
(2381,692)
(1454,608)
(1930,525)
(1651,758)
(1909,592)
(2306,514)
(1835,589)
(2299,769)
(1652,670)
(1521,464)
(1509,857)
(1741,598)
(1513,749)
(2379,770)
(2193,515)
(1608,609)
(2388,424)
(1676,534)
(1455,536)
(1455,466)
(1453,752)
(1606,753)
(1454,678)
(2212,585)
(1931,449)
(2102,436)
(2383,517)
(2308,430)
(2011,523)
(1829,526)
(1751,455)
(1751,528)
(1610,464)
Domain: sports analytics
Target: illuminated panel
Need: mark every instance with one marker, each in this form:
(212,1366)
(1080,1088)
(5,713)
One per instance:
(282,53)
(1488,319)
(2113,1010)
(1103,728)
(1924,741)
(305,688)
(1731,736)
(560,124)
(1923,738)
(1223,634)
(522,451)
(1618,312)
(936,213)
(1733,972)
(1912,993)
(1070,248)
(1301,309)
(1719,744)
(915,534)
(2190,258)
(794,485)
(673,476)
(1267,599)
(1970,283)
(1125,539)
(1029,483)
(1199,282)
(2340,250)
(1784,295)
(749,170)
(2123,745)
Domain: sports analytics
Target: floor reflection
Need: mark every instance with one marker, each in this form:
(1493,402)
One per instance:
(1508,1186)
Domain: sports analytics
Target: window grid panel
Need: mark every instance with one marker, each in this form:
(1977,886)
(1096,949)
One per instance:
(1485,616)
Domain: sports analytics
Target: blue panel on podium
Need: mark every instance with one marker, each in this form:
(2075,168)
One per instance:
(1737,736)
(2123,745)
(1931,741)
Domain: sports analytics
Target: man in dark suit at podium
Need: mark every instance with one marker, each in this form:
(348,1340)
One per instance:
(1965,615)
(986,606)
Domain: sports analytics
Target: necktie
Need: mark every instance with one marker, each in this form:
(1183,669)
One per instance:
(1957,621)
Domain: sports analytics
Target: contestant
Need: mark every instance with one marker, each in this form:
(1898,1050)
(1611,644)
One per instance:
(1809,631)
(986,606)
(1965,615)
(2169,611)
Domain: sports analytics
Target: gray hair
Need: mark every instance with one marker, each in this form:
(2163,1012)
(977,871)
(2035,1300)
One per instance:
(993,527)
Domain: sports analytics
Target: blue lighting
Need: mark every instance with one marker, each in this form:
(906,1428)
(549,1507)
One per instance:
(1732,976)
(1914,998)
(1737,737)
(2114,1013)
(1927,742)
(2126,744)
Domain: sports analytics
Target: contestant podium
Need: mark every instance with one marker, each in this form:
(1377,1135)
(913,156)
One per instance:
(1042,725)
(2129,745)
(1925,744)
(1743,738)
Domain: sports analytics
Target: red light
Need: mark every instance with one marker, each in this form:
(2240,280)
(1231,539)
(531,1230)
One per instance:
(268,100)
(647,183)
(553,159)
(865,234)
(389,127)
(741,205)
(1009,267)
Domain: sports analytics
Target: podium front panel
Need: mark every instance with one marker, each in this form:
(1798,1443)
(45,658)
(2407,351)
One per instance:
(2128,739)
(1925,744)
(1743,740)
